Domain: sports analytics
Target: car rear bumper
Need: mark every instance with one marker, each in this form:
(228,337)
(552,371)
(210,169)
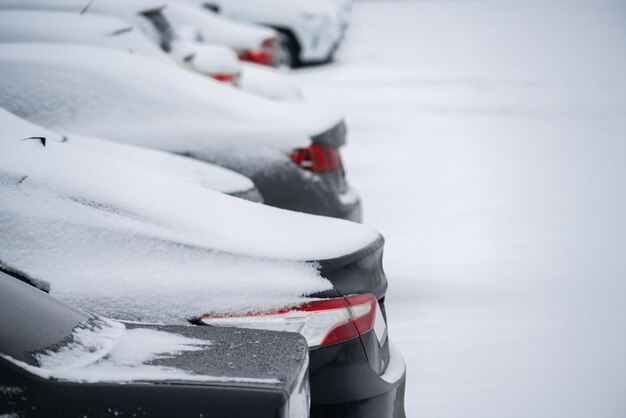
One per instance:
(343,384)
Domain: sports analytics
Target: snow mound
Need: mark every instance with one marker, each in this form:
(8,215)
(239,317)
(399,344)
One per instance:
(95,91)
(71,28)
(204,174)
(126,242)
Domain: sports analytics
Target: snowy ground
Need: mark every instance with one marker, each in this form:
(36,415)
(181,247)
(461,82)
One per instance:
(488,140)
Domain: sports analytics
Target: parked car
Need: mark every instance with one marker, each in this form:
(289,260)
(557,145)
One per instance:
(129,243)
(289,150)
(56,360)
(312,29)
(188,169)
(63,27)
(57,22)
(39,21)
(253,43)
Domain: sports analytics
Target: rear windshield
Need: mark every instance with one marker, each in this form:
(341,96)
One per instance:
(32,321)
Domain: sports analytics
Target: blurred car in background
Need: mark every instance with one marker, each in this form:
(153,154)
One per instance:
(253,43)
(58,22)
(289,150)
(312,29)
(111,23)
(58,361)
(170,252)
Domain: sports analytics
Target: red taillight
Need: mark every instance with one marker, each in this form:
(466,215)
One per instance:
(323,322)
(319,158)
(225,78)
(266,55)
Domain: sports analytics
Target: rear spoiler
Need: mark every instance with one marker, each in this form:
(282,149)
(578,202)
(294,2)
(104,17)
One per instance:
(335,136)
(358,272)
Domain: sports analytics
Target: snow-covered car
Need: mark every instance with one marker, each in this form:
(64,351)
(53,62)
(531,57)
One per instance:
(112,24)
(197,172)
(212,59)
(312,29)
(289,150)
(252,43)
(58,361)
(124,242)
(64,27)
(268,83)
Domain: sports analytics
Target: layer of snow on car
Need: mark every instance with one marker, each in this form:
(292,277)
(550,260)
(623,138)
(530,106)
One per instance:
(207,175)
(213,28)
(93,91)
(317,26)
(122,241)
(105,351)
(269,83)
(70,28)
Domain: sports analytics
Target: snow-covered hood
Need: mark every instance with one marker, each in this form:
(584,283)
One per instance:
(127,242)
(94,91)
(72,28)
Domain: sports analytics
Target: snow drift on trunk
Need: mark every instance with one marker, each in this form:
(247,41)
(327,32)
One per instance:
(123,241)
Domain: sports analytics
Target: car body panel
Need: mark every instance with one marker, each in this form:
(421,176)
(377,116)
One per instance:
(248,373)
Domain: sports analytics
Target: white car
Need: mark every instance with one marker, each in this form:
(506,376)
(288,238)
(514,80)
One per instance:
(250,42)
(289,150)
(312,29)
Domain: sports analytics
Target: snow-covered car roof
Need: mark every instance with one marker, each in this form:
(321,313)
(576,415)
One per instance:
(215,28)
(96,91)
(63,27)
(127,242)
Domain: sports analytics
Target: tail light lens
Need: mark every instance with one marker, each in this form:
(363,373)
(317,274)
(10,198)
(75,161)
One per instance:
(266,55)
(319,158)
(322,323)
(226,78)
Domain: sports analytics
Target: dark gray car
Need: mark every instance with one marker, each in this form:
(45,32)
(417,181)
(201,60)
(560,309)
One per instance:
(224,371)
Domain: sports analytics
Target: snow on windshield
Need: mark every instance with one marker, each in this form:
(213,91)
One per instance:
(126,242)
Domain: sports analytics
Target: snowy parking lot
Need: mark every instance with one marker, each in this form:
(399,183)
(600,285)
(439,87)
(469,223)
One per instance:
(487,139)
